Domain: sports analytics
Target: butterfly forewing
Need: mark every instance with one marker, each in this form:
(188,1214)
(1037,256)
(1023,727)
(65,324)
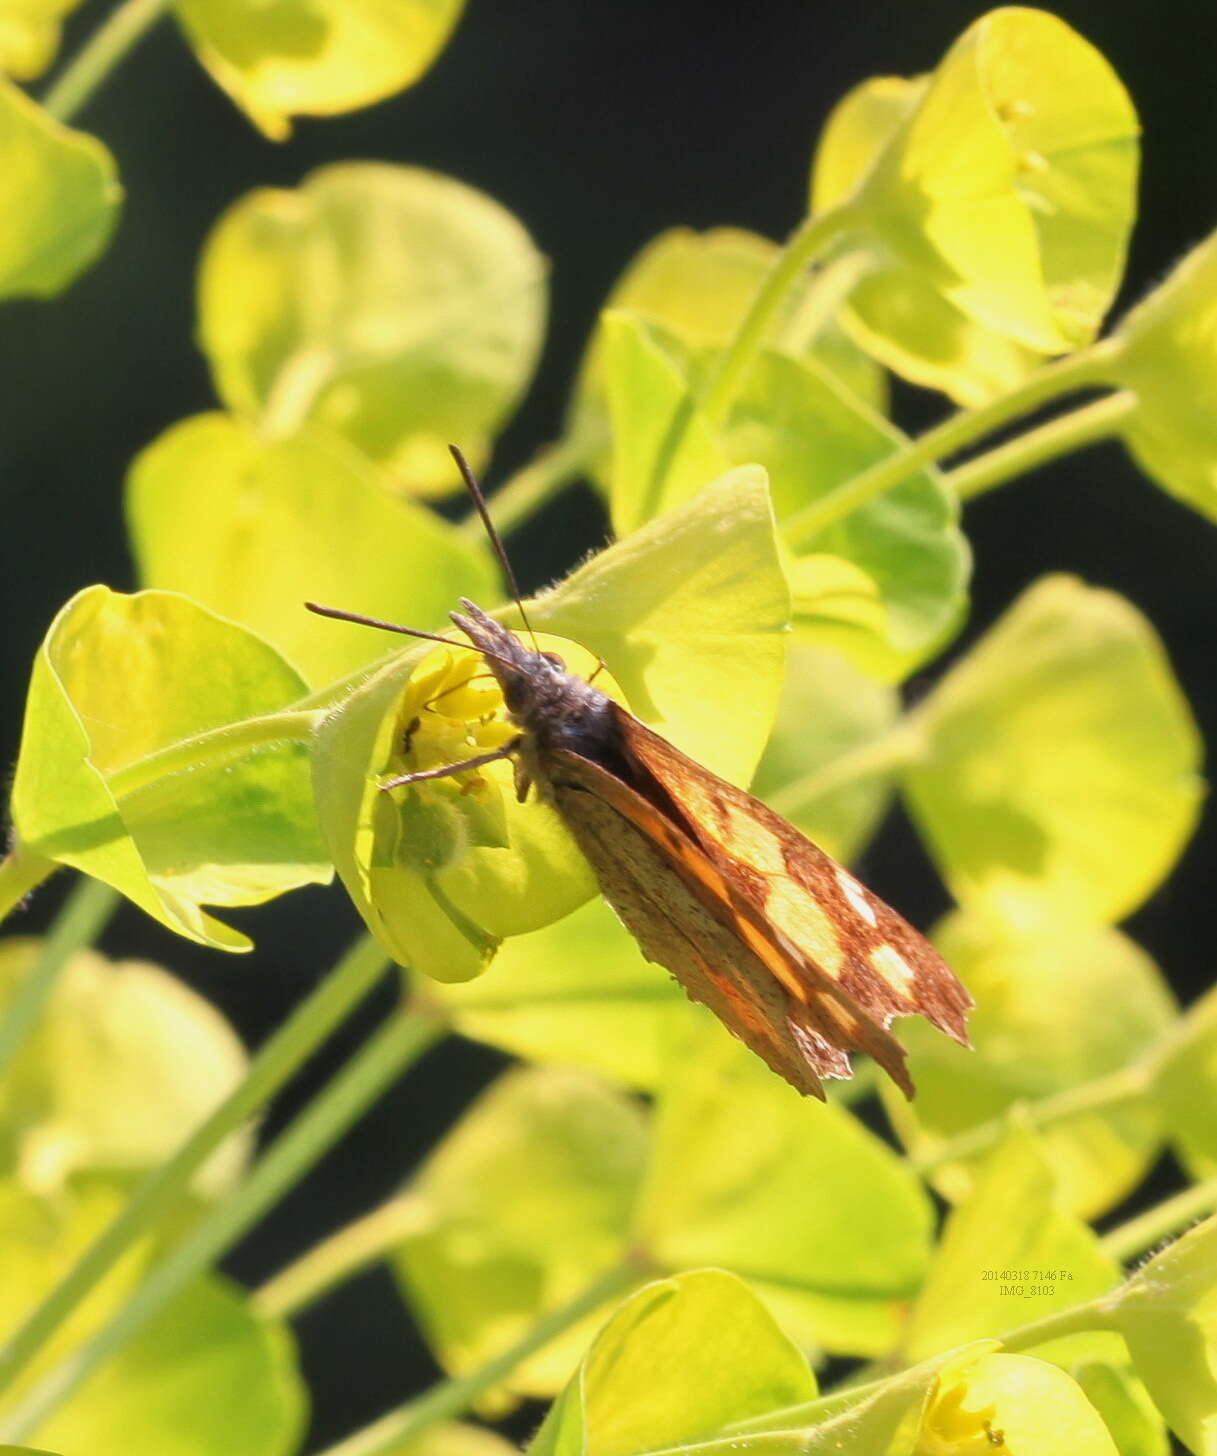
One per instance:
(673,901)
(835,924)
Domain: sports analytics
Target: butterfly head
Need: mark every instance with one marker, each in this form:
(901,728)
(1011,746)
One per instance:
(541,694)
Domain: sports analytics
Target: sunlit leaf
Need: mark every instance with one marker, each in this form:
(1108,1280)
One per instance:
(1185,1087)
(1059,781)
(29,37)
(1167,357)
(997,192)
(314,57)
(653,1380)
(576,993)
(252,528)
(822,1219)
(828,710)
(452,1438)
(441,871)
(204,1375)
(1052,1012)
(59,197)
(1123,1402)
(119,678)
(1013,1403)
(897,313)
(1168,1314)
(690,614)
(650,408)
(397,307)
(812,435)
(1010,1253)
(524,1203)
(124,1063)
(697,287)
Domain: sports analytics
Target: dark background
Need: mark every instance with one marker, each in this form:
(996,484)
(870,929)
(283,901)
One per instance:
(598,125)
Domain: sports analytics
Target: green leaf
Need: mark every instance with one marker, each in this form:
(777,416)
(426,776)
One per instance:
(1166,356)
(441,871)
(812,435)
(252,528)
(124,1063)
(119,678)
(525,1202)
(59,198)
(650,407)
(690,614)
(577,993)
(314,57)
(653,1380)
(1168,1314)
(396,307)
(1060,776)
(1011,1252)
(695,288)
(1185,1087)
(1002,187)
(891,1420)
(825,1222)
(1013,1403)
(452,1438)
(894,312)
(828,712)
(1124,1404)
(203,1376)
(29,38)
(1051,1013)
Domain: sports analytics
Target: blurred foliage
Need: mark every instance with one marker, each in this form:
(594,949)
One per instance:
(640,1221)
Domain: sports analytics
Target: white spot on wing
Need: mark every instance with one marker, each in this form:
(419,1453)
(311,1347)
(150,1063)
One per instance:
(856,896)
(892,966)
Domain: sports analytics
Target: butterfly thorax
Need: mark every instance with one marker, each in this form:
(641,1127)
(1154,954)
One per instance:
(553,708)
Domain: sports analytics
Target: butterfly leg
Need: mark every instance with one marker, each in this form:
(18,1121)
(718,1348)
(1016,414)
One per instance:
(449,769)
(601,666)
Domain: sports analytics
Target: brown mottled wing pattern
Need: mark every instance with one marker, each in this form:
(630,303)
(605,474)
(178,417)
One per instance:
(674,902)
(830,927)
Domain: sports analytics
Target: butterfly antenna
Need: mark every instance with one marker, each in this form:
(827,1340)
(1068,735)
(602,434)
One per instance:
(340,616)
(479,501)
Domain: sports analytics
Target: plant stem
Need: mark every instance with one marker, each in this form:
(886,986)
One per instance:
(369,1073)
(451,1398)
(1078,371)
(126,24)
(20,872)
(1086,425)
(342,1254)
(303,1032)
(901,745)
(214,745)
(88,906)
(529,489)
(1125,1085)
(1131,1239)
(1093,1315)
(812,240)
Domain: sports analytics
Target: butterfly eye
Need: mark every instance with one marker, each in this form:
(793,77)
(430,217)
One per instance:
(553,659)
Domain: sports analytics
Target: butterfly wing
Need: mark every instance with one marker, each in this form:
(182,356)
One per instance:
(830,925)
(683,910)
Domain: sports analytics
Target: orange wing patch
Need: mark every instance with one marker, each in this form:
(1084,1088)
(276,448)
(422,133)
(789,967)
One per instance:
(684,911)
(827,923)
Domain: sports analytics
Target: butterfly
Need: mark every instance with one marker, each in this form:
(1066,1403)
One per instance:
(793,954)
